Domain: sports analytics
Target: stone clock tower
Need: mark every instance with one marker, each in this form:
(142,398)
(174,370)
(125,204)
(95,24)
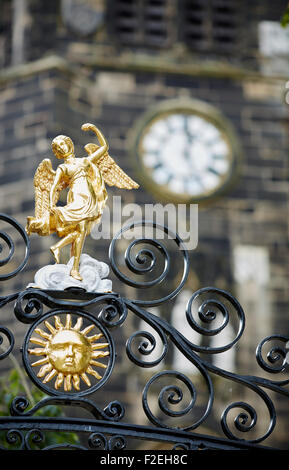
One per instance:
(191,95)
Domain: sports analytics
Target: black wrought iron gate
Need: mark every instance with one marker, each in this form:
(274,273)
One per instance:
(48,312)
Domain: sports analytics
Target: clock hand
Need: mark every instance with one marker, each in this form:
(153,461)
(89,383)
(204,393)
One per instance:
(191,137)
(212,170)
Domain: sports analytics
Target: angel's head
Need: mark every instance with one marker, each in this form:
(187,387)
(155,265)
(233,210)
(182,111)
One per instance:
(62,146)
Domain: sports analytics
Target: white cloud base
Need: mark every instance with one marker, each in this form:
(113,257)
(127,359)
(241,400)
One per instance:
(57,276)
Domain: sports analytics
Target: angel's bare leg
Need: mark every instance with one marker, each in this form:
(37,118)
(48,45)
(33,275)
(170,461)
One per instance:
(72,249)
(78,245)
(55,249)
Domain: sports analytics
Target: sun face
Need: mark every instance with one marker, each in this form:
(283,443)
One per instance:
(69,354)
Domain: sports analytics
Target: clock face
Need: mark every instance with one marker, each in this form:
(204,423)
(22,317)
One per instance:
(185,156)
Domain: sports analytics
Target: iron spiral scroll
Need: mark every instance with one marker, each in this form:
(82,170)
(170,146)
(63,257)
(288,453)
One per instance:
(169,397)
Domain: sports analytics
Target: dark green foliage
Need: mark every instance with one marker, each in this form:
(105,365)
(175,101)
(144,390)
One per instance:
(285,17)
(12,386)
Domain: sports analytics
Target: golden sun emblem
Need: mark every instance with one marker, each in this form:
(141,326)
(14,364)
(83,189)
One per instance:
(69,354)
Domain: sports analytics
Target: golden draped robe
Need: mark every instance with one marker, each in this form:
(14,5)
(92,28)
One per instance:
(86,196)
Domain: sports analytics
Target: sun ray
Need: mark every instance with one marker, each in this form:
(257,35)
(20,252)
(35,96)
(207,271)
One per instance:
(40,362)
(99,346)
(93,338)
(97,354)
(68,322)
(44,370)
(67,383)
(78,324)
(85,379)
(59,380)
(38,341)
(50,327)
(93,372)
(87,330)
(43,333)
(98,364)
(50,376)
(76,381)
(38,352)
(57,322)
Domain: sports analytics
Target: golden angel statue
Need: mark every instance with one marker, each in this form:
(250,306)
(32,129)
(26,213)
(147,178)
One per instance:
(85,177)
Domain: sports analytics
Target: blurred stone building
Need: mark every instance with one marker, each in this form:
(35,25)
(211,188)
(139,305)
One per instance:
(112,62)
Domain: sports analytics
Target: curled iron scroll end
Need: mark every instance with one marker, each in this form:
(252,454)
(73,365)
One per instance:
(10,246)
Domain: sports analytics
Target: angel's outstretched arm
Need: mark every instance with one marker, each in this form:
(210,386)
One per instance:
(56,182)
(103,143)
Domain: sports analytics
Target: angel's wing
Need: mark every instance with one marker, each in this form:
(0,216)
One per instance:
(112,174)
(43,180)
